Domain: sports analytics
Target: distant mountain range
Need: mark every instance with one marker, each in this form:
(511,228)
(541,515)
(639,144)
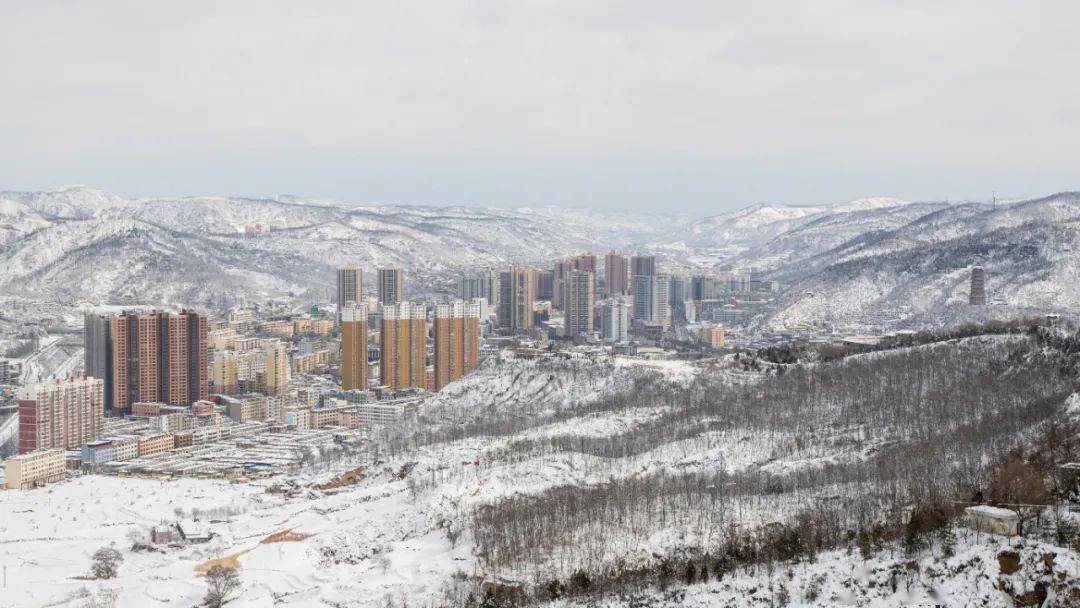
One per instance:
(877,261)
(79,243)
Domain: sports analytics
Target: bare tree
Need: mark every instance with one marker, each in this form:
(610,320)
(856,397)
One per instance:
(221,582)
(106,563)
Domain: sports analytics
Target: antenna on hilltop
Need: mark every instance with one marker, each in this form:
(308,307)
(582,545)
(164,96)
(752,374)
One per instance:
(993,193)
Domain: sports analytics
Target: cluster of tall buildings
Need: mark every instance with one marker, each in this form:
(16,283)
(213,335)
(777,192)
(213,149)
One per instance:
(628,293)
(457,329)
(404,333)
(148,356)
(403,345)
(631,286)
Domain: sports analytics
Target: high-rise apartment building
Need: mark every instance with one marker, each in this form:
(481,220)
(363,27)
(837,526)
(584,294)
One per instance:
(516,298)
(615,320)
(98,352)
(62,414)
(616,277)
(545,285)
(679,290)
(391,285)
(642,266)
(457,341)
(558,279)
(651,299)
(156,356)
(585,262)
(578,303)
(708,288)
(276,365)
(349,280)
(354,347)
(479,286)
(403,345)
(977,295)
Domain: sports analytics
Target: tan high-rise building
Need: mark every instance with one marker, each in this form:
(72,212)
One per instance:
(276,360)
(349,280)
(457,341)
(616,275)
(578,303)
(354,347)
(391,285)
(516,297)
(403,345)
(156,356)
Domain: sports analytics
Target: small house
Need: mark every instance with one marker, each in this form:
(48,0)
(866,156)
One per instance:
(993,520)
(163,534)
(192,532)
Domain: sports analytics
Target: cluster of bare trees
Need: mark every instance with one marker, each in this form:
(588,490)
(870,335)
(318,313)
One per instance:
(931,418)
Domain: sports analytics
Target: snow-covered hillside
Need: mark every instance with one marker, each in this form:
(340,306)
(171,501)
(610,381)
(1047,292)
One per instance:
(78,243)
(866,263)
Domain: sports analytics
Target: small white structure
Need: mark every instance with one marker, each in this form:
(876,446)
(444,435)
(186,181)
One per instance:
(993,520)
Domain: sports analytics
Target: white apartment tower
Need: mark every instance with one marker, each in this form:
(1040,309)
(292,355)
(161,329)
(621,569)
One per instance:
(615,321)
(651,298)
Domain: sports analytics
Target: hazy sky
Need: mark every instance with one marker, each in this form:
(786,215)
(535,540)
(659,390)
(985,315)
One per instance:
(701,106)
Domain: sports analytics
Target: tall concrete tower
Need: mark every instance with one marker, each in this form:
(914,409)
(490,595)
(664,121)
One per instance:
(977,295)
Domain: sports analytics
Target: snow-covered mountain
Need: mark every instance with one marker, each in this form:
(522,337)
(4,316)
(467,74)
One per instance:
(880,261)
(917,271)
(78,243)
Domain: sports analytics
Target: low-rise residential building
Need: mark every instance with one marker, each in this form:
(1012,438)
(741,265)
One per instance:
(712,336)
(126,447)
(209,433)
(322,327)
(10,371)
(282,327)
(144,408)
(298,417)
(249,408)
(155,444)
(184,439)
(98,452)
(172,423)
(34,469)
(311,362)
(379,413)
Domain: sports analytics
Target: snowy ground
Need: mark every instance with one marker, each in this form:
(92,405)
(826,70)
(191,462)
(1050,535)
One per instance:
(47,537)
(402,532)
(972,577)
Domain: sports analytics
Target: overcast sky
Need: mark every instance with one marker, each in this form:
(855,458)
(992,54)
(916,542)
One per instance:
(700,106)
